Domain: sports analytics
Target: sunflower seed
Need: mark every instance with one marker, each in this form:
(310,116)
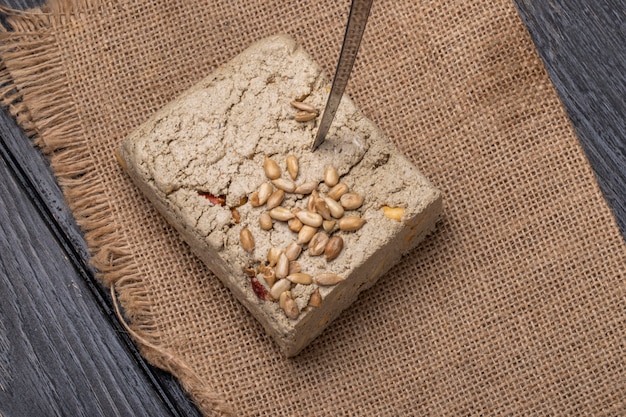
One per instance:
(269,275)
(282,298)
(284,184)
(393,213)
(295,225)
(318,244)
(265,191)
(331,176)
(351,201)
(300,278)
(306,234)
(281,213)
(309,218)
(282,267)
(336,209)
(316,298)
(292,166)
(236,216)
(306,188)
(310,204)
(271,168)
(351,223)
(337,191)
(328,225)
(322,208)
(333,248)
(254,199)
(272,256)
(247,240)
(275,199)
(293,251)
(327,278)
(291,308)
(265,221)
(304,107)
(304,116)
(280,287)
(294,267)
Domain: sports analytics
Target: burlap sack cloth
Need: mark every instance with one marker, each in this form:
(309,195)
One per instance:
(515,305)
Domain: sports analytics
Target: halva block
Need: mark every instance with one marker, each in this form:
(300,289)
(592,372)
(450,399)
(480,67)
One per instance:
(295,235)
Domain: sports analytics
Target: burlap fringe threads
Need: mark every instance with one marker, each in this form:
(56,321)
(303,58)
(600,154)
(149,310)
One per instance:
(28,46)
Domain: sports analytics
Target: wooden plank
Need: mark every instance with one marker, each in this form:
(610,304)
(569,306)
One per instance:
(37,182)
(59,332)
(583,45)
(59,354)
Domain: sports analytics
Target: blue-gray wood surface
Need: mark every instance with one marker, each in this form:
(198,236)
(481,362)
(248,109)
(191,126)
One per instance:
(62,350)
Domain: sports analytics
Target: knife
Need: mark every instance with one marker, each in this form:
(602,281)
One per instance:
(359,12)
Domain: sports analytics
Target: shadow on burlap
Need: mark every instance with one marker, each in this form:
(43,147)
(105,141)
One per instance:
(515,305)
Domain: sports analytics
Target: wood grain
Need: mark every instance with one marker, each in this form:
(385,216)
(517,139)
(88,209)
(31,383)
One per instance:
(62,350)
(141,388)
(59,354)
(583,45)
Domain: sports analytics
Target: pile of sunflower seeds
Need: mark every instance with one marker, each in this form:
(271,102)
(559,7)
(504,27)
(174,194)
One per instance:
(316,228)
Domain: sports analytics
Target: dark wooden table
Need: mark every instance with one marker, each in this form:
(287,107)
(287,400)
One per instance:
(62,350)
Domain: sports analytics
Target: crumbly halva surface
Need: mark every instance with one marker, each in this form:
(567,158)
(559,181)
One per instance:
(203,160)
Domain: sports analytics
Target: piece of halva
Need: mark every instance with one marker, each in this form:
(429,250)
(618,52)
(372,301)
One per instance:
(295,235)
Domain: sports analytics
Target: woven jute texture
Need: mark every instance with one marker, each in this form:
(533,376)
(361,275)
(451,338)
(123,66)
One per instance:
(516,305)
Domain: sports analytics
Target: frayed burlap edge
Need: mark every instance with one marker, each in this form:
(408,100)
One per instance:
(34,88)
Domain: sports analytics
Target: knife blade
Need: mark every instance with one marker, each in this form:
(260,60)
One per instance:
(357,20)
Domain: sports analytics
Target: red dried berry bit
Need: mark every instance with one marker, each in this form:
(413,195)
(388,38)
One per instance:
(215,200)
(258,288)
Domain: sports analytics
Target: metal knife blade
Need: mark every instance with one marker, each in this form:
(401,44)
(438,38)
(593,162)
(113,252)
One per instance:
(359,13)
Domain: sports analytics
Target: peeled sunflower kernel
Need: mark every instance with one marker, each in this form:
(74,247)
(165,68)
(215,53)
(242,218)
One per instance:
(306,188)
(333,247)
(291,308)
(304,107)
(281,214)
(316,298)
(318,244)
(337,191)
(327,278)
(304,116)
(351,223)
(280,287)
(295,225)
(275,199)
(265,221)
(247,240)
(284,184)
(309,218)
(271,168)
(265,191)
(351,201)
(282,266)
(306,234)
(300,278)
(331,176)
(336,209)
(272,256)
(292,166)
